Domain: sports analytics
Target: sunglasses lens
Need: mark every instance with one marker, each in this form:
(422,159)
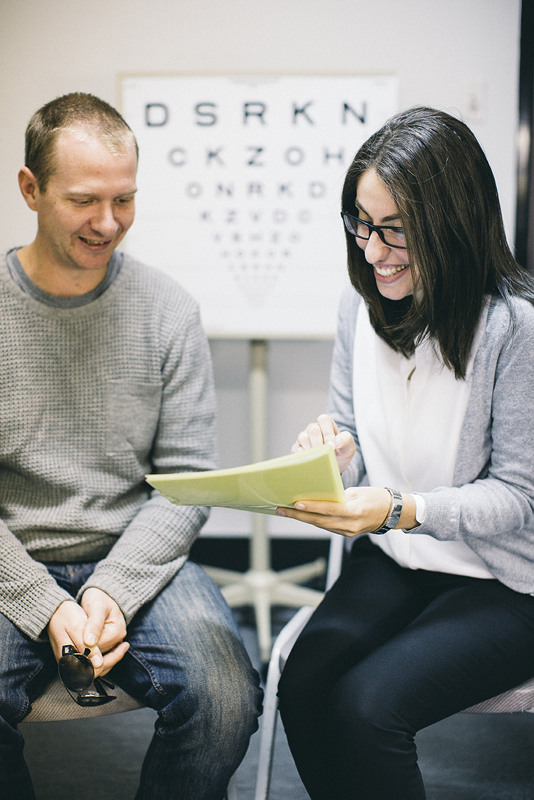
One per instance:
(78,677)
(76,672)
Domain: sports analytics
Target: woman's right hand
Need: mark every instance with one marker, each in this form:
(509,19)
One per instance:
(325,431)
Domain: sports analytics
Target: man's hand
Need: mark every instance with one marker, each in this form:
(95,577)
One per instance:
(97,623)
(104,631)
(325,431)
(66,627)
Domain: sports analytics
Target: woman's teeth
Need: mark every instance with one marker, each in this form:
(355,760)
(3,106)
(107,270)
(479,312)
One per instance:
(386,272)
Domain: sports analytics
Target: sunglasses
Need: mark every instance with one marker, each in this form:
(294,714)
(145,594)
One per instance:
(78,677)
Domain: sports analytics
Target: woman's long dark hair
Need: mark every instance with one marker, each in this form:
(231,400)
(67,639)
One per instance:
(446,195)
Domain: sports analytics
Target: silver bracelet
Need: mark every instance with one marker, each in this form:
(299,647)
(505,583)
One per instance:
(394,512)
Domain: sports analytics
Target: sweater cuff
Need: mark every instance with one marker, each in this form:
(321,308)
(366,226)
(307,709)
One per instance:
(441,515)
(132,586)
(33,617)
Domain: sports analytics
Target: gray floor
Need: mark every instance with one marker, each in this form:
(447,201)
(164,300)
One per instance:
(467,757)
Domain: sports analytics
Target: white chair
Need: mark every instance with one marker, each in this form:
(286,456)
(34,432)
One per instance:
(519,699)
(55,705)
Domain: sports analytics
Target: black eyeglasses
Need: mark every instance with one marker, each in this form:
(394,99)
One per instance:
(391,236)
(78,677)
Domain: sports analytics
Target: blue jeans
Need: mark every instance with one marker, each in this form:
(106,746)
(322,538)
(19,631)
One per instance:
(388,652)
(186,660)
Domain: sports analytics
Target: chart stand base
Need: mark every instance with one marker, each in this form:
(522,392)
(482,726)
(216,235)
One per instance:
(264,588)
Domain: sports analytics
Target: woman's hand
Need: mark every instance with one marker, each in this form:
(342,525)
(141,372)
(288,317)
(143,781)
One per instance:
(365,509)
(325,431)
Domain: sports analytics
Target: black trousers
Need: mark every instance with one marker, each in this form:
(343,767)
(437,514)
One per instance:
(388,652)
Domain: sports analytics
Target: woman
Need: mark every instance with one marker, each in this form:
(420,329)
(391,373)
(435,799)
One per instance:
(431,396)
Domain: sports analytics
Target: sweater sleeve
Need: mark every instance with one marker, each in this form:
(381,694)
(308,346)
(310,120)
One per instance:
(340,397)
(156,542)
(29,594)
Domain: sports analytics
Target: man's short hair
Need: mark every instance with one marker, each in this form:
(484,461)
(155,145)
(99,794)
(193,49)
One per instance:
(76,111)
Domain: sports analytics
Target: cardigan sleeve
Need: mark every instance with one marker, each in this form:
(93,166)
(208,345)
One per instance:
(492,499)
(340,399)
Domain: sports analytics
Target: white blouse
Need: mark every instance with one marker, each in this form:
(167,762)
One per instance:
(409,435)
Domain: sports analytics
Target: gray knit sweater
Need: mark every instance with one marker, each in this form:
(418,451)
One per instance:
(91,399)
(491,503)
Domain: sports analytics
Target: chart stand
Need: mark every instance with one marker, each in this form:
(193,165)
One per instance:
(262,587)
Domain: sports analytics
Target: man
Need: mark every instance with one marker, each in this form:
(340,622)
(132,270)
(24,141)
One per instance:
(106,376)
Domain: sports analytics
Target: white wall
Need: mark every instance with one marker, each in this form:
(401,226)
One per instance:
(445,53)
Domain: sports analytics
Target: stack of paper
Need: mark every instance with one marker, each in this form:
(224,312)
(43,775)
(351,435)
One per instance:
(262,487)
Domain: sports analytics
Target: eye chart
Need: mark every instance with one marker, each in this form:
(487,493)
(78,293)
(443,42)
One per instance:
(240,181)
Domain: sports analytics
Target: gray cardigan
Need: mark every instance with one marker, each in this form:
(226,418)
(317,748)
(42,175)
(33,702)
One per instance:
(491,503)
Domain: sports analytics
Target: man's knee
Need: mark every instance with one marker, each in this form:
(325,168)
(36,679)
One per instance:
(14,704)
(26,668)
(224,700)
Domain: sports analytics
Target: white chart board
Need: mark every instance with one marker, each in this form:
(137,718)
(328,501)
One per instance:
(239,191)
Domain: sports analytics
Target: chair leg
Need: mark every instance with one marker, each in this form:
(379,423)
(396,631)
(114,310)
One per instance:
(268,733)
(231,791)
(281,647)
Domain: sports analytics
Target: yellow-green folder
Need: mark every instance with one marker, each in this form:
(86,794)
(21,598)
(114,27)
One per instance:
(262,487)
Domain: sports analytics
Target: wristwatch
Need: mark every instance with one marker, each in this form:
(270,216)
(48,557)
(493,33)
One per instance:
(394,511)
